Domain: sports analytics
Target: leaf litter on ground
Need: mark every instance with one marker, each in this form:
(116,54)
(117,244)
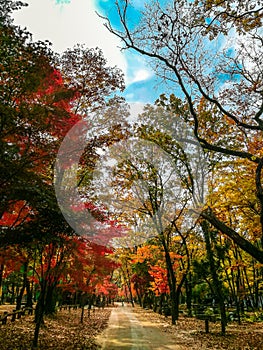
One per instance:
(189,333)
(64,331)
(61,331)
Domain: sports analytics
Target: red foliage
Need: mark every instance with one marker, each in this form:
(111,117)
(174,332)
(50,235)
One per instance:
(160,282)
(12,259)
(87,267)
(18,212)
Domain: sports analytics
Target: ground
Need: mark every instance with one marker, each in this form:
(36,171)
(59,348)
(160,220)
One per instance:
(122,328)
(61,332)
(136,328)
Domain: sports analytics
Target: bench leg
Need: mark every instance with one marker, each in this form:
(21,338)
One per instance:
(207,326)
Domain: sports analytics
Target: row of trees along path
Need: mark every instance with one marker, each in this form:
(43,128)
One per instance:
(42,96)
(167,262)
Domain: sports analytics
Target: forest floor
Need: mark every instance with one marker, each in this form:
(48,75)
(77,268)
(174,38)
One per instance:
(126,328)
(63,331)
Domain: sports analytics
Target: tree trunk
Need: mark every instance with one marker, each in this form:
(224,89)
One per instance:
(128,283)
(20,296)
(138,296)
(39,317)
(188,291)
(23,288)
(82,314)
(50,300)
(255,286)
(216,282)
(172,284)
(1,282)
(161,300)
(29,294)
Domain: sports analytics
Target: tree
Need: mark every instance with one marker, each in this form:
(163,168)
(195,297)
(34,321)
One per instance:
(217,284)
(212,52)
(105,123)
(35,114)
(85,70)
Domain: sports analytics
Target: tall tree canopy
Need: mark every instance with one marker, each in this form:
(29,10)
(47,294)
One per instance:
(211,53)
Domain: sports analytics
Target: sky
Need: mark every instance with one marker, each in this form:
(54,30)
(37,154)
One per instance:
(68,22)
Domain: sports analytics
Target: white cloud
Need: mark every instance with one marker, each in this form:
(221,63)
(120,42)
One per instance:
(68,24)
(140,75)
(138,69)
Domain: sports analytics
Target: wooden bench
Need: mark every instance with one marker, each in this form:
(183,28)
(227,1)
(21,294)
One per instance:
(15,314)
(207,318)
(69,307)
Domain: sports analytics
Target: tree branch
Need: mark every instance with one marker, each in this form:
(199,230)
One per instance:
(232,234)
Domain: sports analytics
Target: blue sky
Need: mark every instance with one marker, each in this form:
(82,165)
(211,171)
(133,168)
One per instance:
(68,22)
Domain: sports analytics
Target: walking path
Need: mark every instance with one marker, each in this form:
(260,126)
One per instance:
(130,329)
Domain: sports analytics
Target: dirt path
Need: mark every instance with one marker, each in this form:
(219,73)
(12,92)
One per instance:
(129,329)
(140,329)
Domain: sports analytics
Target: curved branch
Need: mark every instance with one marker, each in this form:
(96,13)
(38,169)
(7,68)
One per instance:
(129,43)
(217,103)
(239,240)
